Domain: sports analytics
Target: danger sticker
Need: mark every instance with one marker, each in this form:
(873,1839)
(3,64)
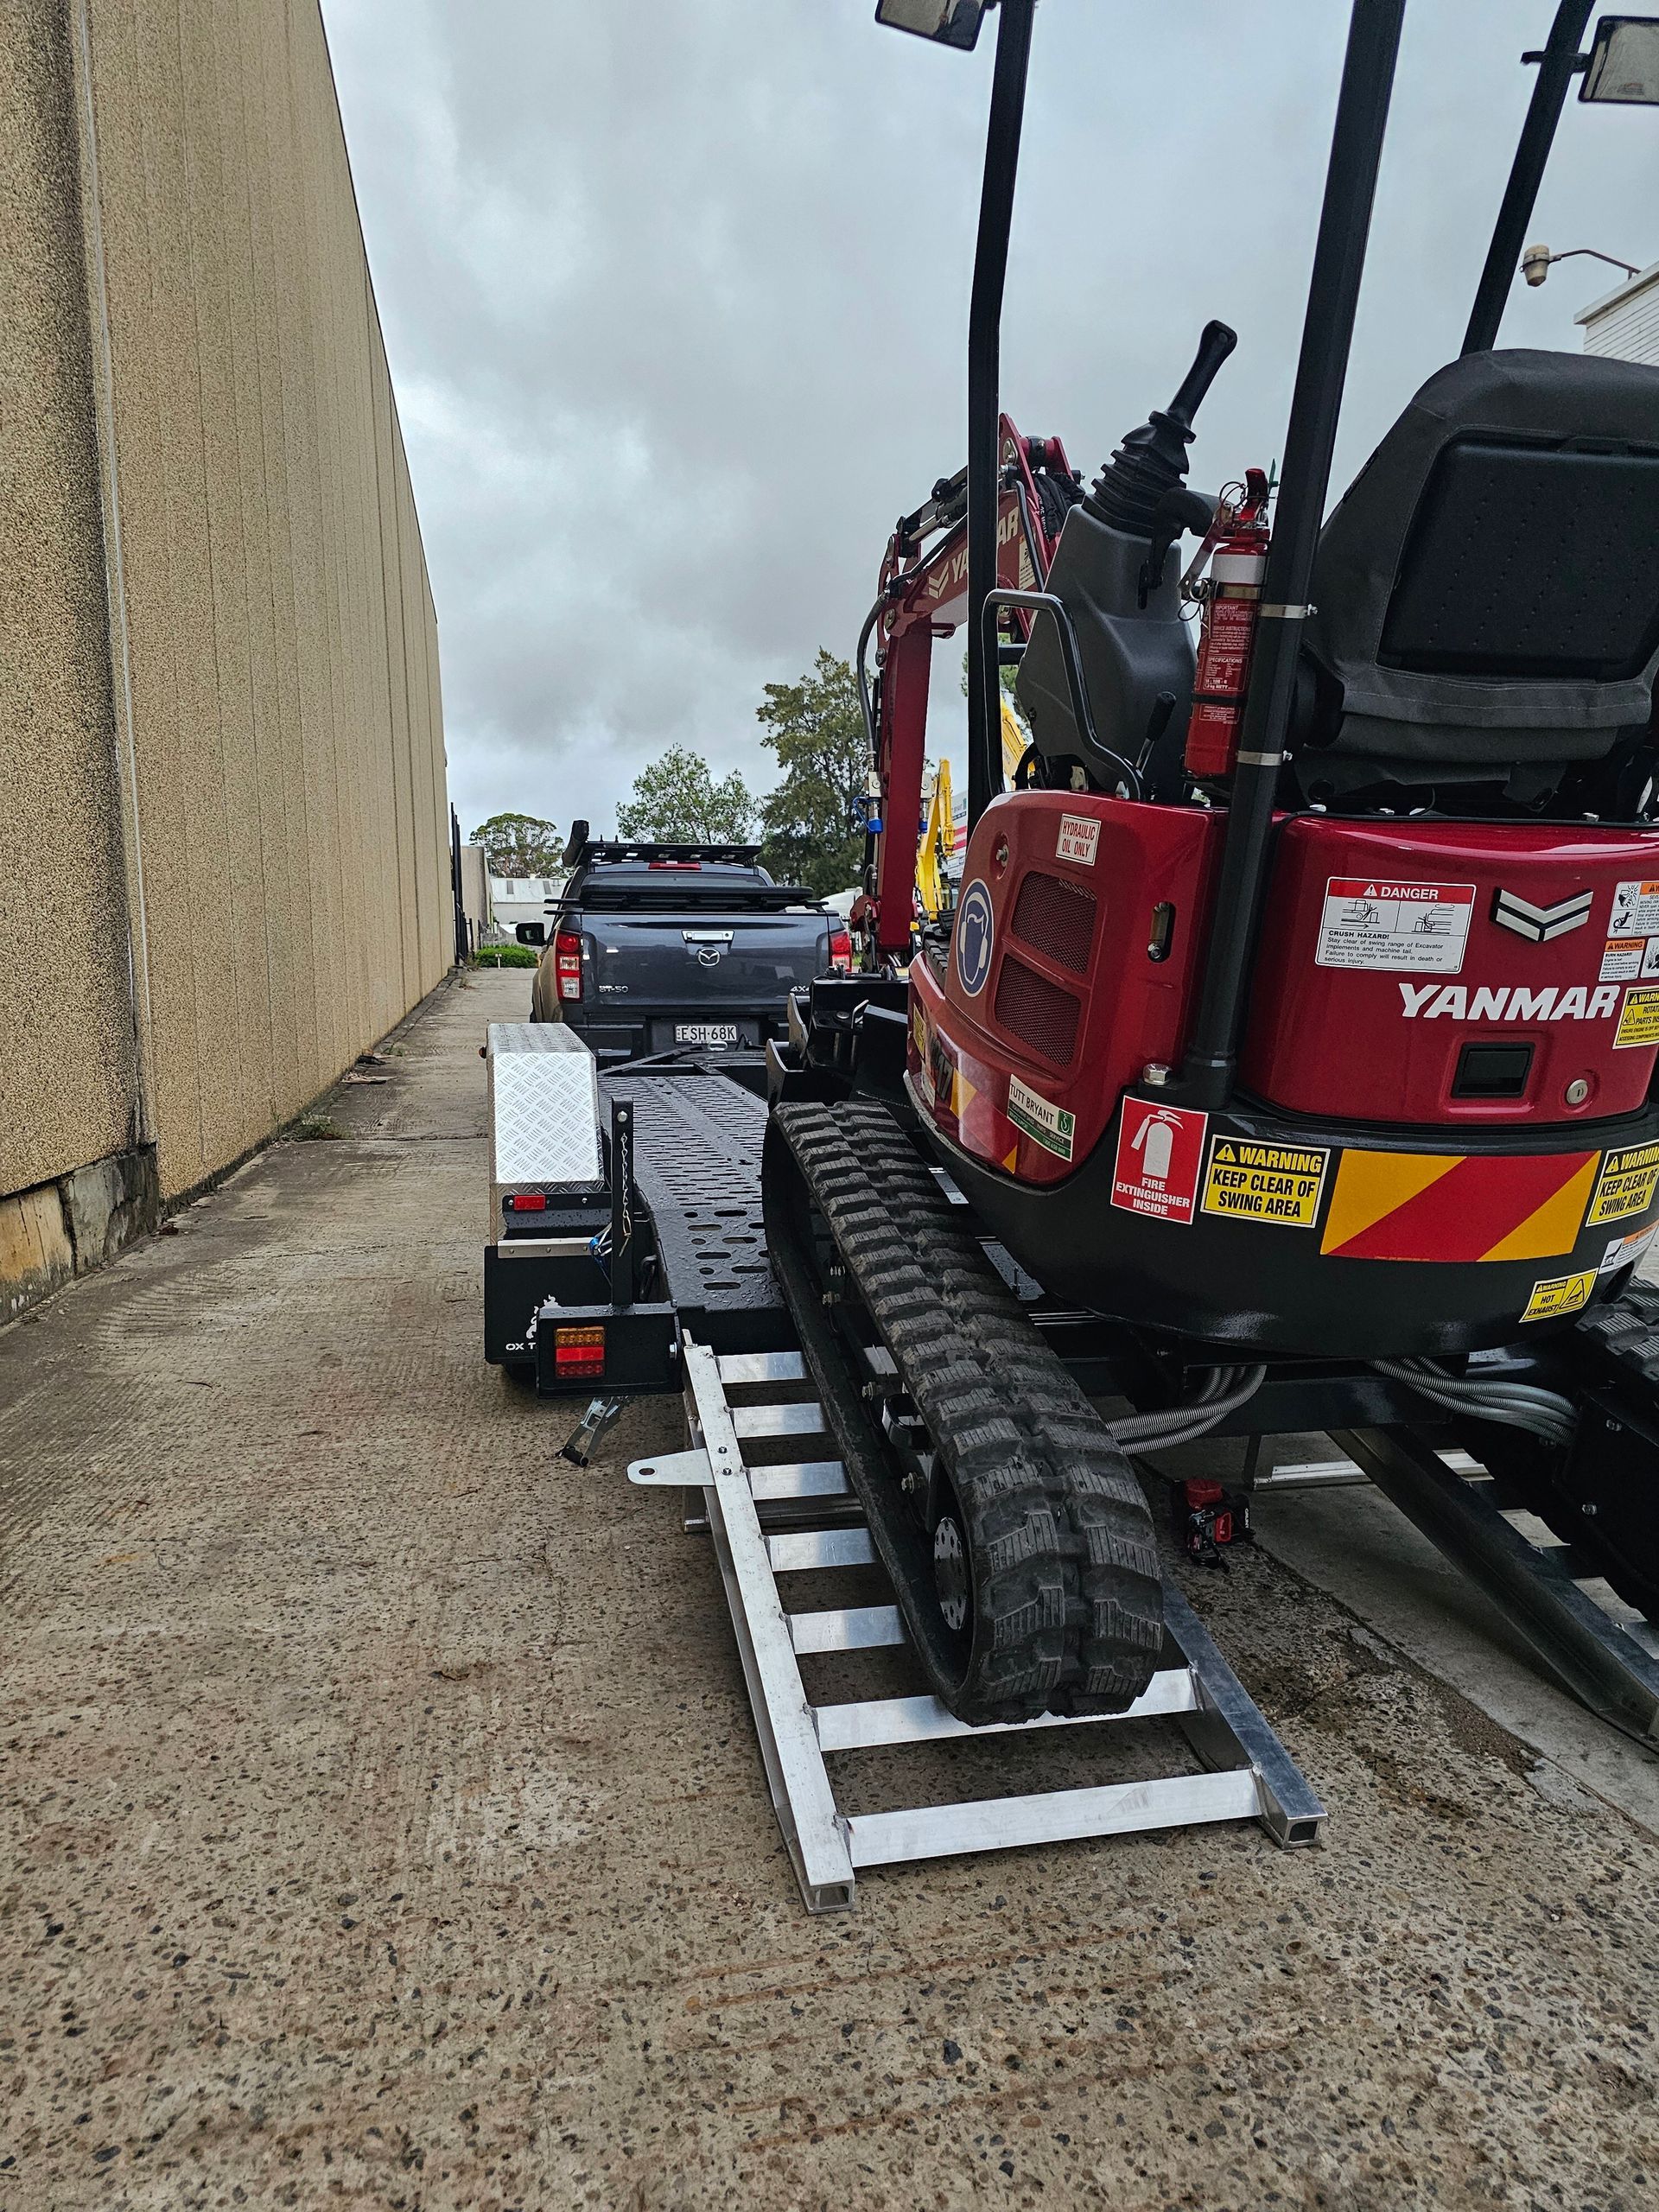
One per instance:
(1274,1183)
(1159,1151)
(1622,958)
(1421,927)
(1560,1295)
(1044,1122)
(1078,840)
(1624,1251)
(1635,910)
(1639,1022)
(1625,1185)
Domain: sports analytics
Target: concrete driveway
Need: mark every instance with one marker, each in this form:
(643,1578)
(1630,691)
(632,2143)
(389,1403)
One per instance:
(386,1827)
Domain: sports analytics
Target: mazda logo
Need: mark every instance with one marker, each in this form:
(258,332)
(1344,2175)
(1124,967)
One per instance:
(708,955)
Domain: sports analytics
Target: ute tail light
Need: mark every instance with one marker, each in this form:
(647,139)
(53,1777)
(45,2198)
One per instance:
(527,1202)
(567,964)
(841,952)
(579,1351)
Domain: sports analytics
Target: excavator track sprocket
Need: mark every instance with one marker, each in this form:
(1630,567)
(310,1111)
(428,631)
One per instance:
(1029,1578)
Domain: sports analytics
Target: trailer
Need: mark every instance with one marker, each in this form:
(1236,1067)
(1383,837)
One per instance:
(649,1263)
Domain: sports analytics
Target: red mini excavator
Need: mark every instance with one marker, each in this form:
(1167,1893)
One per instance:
(1287,1062)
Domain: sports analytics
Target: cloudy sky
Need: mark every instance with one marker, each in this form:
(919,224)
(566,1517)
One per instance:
(675,294)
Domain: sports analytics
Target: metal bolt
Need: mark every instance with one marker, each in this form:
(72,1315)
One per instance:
(1154,1074)
(1576,1091)
(1589,1510)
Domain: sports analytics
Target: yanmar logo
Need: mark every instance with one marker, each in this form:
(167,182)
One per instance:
(1577,1002)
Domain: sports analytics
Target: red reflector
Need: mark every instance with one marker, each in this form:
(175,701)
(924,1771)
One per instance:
(578,1351)
(528,1202)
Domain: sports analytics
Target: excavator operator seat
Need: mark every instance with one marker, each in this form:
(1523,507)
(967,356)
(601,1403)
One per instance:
(1486,596)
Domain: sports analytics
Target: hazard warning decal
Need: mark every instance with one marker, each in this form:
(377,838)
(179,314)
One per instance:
(1415,927)
(1639,1023)
(1276,1183)
(1560,1295)
(1626,1185)
(1455,1207)
(1160,1150)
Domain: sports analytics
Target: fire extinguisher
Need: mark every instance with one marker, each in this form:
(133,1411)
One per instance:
(1227,640)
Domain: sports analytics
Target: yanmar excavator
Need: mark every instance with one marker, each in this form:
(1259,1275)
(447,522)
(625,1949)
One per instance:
(1288,1061)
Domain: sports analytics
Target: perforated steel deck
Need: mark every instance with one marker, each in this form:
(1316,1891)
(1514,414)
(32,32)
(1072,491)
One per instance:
(698,1139)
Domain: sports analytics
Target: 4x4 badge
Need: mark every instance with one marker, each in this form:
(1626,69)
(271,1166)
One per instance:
(1540,924)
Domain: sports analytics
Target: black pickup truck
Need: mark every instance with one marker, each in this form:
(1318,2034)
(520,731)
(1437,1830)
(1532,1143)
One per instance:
(651,946)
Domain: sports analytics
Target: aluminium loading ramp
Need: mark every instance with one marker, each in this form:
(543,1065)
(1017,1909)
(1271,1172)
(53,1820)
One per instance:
(1247,1774)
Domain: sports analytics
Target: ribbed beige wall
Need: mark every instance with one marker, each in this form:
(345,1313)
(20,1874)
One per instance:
(68,1083)
(277,639)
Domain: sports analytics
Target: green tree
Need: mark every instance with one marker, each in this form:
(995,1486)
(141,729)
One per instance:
(676,801)
(816,729)
(520,844)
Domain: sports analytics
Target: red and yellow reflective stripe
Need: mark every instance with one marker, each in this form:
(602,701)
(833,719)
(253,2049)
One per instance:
(1452,1206)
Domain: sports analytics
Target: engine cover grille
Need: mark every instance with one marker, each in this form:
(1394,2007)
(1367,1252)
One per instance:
(1037,1012)
(1056,918)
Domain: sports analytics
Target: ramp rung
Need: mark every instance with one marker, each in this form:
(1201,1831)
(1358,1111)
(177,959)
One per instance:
(797,1551)
(804,1479)
(762,1367)
(778,1420)
(846,1628)
(861,1725)
(997,1823)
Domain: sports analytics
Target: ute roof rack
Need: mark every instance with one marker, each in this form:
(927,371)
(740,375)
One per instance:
(583,848)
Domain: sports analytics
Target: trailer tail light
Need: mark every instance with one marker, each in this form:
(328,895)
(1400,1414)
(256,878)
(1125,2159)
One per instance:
(527,1202)
(579,1351)
(567,964)
(841,952)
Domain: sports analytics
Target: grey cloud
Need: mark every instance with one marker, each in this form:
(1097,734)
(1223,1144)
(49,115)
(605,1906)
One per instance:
(674,299)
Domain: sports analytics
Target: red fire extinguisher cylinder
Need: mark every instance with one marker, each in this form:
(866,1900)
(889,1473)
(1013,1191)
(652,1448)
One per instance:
(1227,643)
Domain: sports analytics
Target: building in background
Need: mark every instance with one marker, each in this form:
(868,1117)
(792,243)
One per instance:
(1625,322)
(515,899)
(225,860)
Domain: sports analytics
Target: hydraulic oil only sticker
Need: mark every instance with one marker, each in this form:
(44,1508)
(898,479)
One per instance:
(1639,1022)
(1079,839)
(974,937)
(1560,1295)
(1625,1185)
(1276,1183)
(1420,928)
(1623,1251)
(1160,1150)
(1044,1122)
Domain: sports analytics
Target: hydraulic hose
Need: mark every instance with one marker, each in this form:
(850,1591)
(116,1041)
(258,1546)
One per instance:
(1514,1405)
(1223,1391)
(870,621)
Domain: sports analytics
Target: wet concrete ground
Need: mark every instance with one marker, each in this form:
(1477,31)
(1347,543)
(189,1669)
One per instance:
(384,1825)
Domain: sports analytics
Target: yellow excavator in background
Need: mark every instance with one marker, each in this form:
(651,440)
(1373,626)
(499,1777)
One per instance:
(934,888)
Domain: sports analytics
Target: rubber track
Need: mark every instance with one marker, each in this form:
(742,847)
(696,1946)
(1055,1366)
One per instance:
(1068,1599)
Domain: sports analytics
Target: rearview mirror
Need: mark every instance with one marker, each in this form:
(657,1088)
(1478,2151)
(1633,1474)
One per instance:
(532,932)
(1624,66)
(952,23)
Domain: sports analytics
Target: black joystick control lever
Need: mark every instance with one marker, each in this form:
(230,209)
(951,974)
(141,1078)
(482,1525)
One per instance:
(1152,461)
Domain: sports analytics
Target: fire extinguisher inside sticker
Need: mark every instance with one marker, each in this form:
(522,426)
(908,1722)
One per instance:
(1044,1122)
(1417,928)
(1274,1183)
(1159,1151)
